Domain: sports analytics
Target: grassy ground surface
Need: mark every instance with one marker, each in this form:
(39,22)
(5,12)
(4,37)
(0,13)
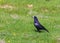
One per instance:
(16,22)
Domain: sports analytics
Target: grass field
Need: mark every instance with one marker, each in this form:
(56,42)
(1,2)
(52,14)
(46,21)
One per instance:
(16,22)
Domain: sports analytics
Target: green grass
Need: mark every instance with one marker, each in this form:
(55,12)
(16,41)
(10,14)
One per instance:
(16,25)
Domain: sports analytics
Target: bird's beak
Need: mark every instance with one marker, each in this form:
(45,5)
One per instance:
(32,16)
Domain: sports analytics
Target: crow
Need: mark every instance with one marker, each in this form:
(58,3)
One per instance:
(38,26)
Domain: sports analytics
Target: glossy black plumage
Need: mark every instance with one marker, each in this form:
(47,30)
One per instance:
(38,26)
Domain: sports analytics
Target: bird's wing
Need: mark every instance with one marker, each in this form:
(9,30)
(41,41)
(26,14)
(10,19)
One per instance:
(38,25)
(42,27)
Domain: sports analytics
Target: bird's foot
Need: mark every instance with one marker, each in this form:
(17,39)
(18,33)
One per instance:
(38,31)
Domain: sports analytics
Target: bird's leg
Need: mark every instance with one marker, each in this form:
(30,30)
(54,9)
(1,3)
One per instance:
(38,30)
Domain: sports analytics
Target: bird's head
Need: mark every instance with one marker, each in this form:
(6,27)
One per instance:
(34,17)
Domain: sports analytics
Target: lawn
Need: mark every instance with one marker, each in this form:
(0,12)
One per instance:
(16,22)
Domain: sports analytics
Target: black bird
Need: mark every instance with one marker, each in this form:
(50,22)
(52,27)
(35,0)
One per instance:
(38,26)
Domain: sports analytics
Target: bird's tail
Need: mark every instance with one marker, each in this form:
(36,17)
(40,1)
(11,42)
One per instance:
(46,30)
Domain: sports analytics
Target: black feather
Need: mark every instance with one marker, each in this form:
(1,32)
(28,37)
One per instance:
(38,26)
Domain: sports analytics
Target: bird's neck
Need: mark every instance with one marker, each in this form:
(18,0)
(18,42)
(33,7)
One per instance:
(36,21)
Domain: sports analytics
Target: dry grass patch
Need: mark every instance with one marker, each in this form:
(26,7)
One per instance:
(2,41)
(15,16)
(7,6)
